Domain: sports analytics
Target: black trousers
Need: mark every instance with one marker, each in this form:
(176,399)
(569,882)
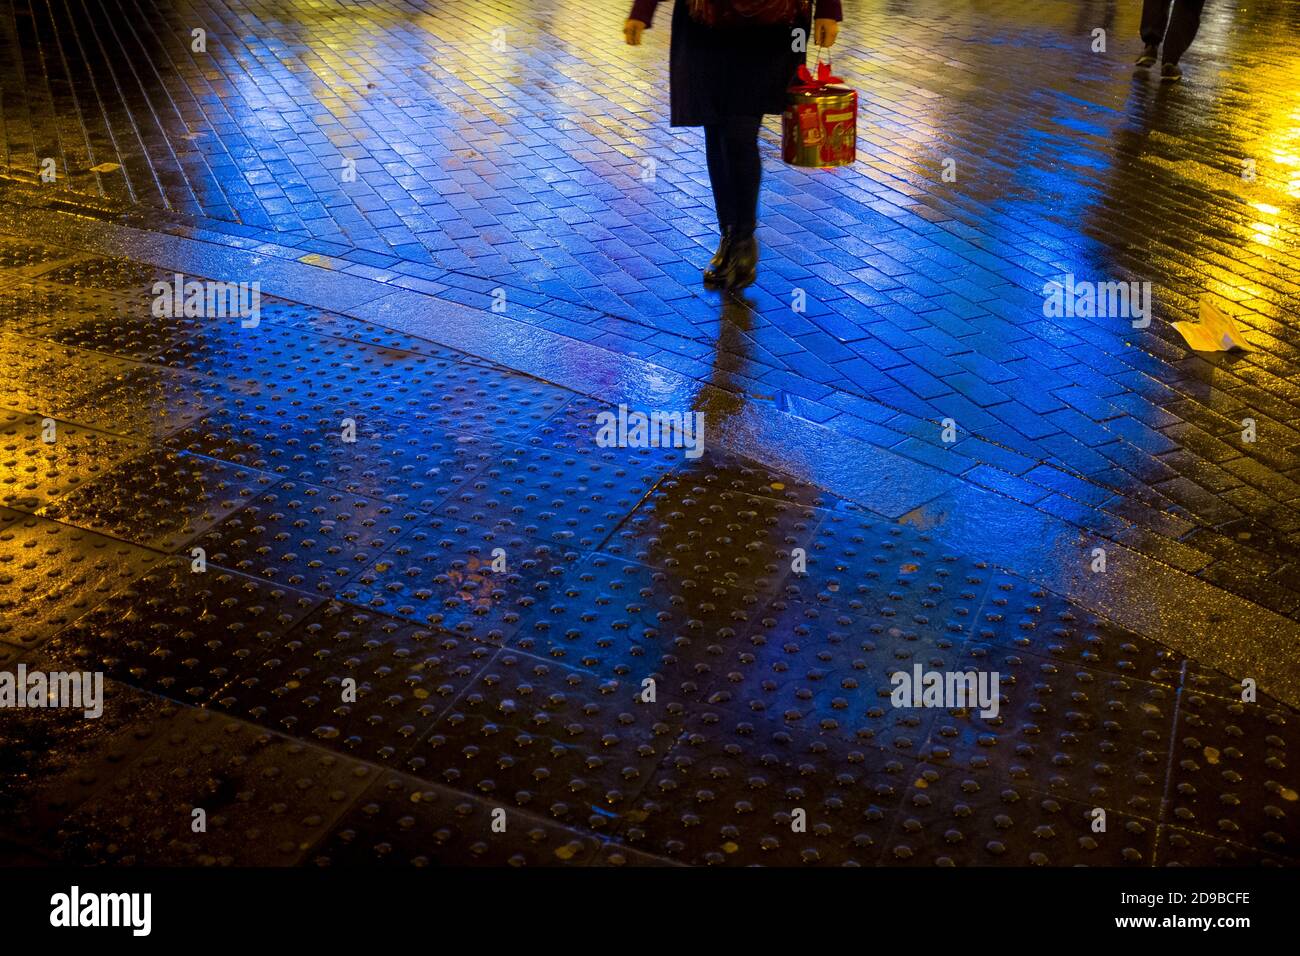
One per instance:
(735,171)
(1177,32)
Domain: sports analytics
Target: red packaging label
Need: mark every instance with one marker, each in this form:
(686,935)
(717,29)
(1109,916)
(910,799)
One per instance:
(841,132)
(809,121)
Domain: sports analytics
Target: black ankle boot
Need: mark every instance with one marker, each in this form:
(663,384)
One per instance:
(720,264)
(743,267)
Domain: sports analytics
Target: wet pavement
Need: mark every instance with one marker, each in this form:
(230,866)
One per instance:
(508,145)
(130,440)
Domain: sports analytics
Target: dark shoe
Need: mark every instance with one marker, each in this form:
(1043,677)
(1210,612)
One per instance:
(1148,58)
(719,265)
(1171,73)
(743,268)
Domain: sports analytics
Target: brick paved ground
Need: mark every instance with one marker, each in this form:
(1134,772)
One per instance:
(521,169)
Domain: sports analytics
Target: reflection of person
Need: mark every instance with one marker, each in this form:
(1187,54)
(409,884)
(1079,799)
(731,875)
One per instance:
(687,541)
(731,374)
(725,78)
(1176,33)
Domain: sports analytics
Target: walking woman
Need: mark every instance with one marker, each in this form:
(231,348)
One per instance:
(725,74)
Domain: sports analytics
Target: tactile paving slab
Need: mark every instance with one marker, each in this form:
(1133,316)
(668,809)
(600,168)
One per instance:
(1178,847)
(305,536)
(27,306)
(147,401)
(50,379)
(1063,729)
(829,675)
(321,322)
(566,498)
(160,499)
(107,306)
(23,254)
(111,394)
(618,855)
(129,333)
(284,364)
(558,741)
(1230,778)
(402,678)
(860,565)
(1207,681)
(959,817)
(407,463)
(728,537)
(721,471)
(622,619)
(103,272)
(265,799)
(1025,616)
(52,759)
(443,573)
(42,458)
(740,789)
(51,573)
(576,427)
(181,633)
(403,821)
(483,401)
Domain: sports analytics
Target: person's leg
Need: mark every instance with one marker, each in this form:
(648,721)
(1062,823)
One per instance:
(746,173)
(1155,19)
(715,152)
(720,179)
(1182,28)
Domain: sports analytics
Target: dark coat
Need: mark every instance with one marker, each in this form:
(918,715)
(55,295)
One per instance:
(715,74)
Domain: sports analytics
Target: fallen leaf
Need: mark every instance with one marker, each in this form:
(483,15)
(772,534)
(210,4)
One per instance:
(1215,332)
